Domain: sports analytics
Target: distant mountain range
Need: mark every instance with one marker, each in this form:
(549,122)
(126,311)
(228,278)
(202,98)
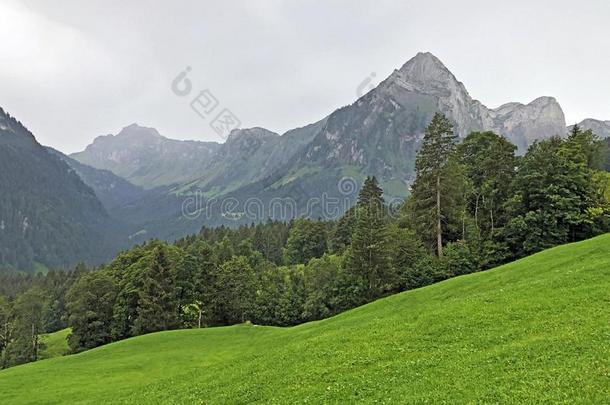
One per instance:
(158,187)
(379,135)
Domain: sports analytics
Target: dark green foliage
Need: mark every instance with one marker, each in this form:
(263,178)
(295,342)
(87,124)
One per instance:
(554,195)
(6,321)
(307,240)
(437,184)
(413,265)
(342,232)
(588,145)
(27,324)
(330,288)
(606,155)
(91,302)
(458,259)
(156,307)
(368,257)
(489,163)
(235,291)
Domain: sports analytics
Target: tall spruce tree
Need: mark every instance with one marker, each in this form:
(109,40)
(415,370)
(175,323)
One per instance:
(156,306)
(235,292)
(589,145)
(433,175)
(368,255)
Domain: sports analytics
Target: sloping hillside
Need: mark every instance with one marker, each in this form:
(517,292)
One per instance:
(534,331)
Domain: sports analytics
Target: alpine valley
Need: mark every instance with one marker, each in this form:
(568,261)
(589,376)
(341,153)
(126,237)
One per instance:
(127,188)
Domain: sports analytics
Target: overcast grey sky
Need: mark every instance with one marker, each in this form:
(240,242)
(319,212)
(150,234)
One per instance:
(75,69)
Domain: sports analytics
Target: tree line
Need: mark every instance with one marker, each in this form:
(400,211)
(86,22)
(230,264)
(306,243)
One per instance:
(474,205)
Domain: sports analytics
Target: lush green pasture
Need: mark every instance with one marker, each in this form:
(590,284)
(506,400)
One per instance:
(534,331)
(55,344)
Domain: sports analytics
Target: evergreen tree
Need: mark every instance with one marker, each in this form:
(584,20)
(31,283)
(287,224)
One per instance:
(343,229)
(156,304)
(554,197)
(411,260)
(432,188)
(606,154)
(368,255)
(588,145)
(185,291)
(371,194)
(235,290)
(205,283)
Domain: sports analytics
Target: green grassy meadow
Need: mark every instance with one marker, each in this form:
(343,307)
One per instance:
(533,331)
(54,344)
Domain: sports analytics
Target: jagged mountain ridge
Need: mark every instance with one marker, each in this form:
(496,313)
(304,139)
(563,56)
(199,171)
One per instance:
(147,159)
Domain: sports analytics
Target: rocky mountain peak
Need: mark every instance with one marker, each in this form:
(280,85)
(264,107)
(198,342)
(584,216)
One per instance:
(424,65)
(136,131)
(427,74)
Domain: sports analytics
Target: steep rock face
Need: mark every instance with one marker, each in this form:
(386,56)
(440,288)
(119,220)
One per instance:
(523,124)
(601,128)
(147,159)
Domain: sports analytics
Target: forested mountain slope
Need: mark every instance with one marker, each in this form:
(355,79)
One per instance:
(47,214)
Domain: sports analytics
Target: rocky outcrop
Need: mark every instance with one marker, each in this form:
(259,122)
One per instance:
(601,128)
(524,124)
